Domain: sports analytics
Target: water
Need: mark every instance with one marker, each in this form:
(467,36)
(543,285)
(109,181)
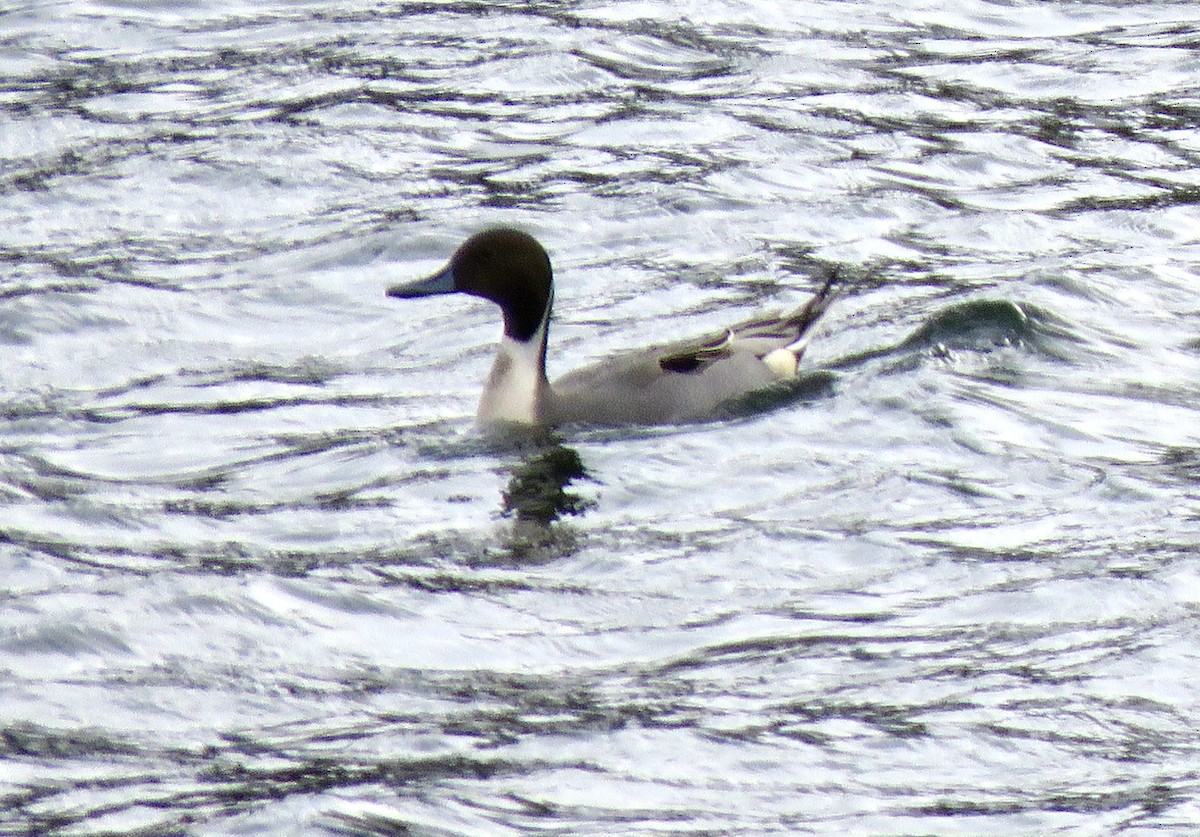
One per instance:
(262,575)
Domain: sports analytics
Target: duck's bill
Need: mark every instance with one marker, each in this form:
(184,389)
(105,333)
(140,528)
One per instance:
(438,283)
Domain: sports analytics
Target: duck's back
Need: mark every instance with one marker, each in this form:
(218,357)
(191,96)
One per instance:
(645,387)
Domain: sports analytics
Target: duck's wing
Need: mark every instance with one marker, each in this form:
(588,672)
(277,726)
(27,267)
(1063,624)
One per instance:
(760,336)
(697,354)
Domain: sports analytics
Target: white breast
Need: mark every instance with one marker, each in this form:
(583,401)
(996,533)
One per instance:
(516,384)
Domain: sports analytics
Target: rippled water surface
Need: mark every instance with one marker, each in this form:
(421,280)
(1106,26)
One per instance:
(261,574)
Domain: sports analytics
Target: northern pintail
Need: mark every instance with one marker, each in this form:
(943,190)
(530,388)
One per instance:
(671,384)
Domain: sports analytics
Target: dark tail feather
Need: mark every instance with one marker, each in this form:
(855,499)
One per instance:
(812,310)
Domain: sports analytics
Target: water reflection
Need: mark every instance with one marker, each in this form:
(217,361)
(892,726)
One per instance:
(537,492)
(536,497)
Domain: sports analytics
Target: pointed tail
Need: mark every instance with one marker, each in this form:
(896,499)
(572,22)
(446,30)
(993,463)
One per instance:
(811,311)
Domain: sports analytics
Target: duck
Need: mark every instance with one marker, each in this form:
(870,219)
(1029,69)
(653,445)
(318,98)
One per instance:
(676,383)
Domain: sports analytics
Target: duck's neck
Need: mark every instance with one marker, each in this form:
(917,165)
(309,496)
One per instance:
(516,387)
